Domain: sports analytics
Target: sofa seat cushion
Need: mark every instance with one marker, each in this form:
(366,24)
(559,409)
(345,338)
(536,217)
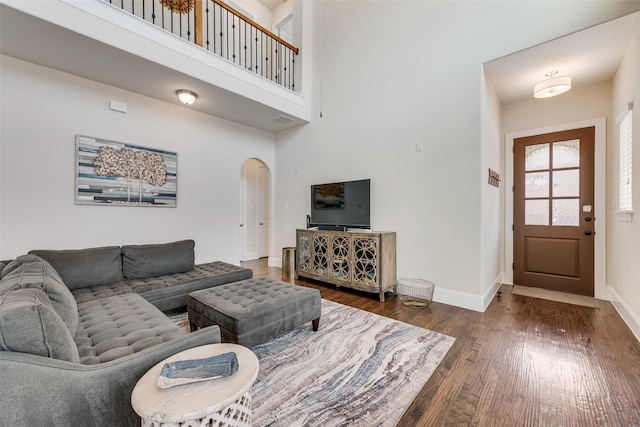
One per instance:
(85,267)
(31,271)
(142,261)
(158,288)
(29,324)
(114,327)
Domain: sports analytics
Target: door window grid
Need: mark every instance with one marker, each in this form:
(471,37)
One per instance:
(552,183)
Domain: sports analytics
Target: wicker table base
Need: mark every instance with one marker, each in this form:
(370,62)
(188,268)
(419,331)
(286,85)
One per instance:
(237,414)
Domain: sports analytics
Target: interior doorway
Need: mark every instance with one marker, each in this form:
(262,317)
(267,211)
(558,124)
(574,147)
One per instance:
(255,207)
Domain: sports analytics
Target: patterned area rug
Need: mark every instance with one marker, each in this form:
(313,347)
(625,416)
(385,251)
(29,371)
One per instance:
(358,369)
(180,318)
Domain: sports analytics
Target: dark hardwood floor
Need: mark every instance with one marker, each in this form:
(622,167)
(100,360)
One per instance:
(523,362)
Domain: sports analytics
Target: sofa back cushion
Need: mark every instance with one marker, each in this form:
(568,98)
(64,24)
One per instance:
(142,261)
(29,324)
(81,268)
(31,271)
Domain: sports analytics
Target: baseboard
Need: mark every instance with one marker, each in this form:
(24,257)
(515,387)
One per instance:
(274,262)
(628,315)
(459,299)
(446,296)
(488,295)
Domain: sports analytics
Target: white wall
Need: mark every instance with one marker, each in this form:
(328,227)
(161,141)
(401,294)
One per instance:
(575,105)
(492,208)
(43,110)
(624,237)
(409,73)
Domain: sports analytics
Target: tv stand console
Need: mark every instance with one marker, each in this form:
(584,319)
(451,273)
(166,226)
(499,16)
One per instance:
(363,260)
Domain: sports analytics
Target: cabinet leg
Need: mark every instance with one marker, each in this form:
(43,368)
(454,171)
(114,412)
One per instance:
(381,296)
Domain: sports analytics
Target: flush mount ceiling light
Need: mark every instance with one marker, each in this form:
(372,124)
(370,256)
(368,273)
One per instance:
(552,86)
(186,96)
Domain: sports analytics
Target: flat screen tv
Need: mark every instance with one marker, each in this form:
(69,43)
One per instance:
(341,205)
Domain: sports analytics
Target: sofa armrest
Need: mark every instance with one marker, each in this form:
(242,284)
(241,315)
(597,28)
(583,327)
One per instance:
(37,390)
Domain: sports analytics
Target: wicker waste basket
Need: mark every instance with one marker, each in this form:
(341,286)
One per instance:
(415,292)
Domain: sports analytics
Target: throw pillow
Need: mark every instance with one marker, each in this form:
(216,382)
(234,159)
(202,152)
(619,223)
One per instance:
(29,324)
(31,271)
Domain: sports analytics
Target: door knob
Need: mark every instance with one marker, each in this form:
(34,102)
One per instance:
(588,233)
(588,218)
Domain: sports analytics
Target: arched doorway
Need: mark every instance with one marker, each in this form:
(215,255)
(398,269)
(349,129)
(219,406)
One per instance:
(255,208)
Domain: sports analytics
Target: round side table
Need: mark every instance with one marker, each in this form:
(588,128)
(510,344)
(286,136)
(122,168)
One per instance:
(205,403)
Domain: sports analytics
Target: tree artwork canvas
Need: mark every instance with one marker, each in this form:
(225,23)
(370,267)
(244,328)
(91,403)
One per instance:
(116,173)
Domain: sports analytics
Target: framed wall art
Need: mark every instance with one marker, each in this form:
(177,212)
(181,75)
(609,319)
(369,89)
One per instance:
(121,174)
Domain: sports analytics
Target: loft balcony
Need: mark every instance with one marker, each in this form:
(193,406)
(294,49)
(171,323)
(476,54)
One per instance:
(223,31)
(257,83)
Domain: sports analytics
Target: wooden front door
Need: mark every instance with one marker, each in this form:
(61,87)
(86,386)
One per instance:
(553,230)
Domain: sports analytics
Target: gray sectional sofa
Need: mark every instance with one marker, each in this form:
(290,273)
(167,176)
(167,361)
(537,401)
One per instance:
(78,328)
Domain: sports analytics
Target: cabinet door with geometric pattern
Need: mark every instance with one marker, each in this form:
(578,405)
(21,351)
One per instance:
(303,246)
(365,260)
(320,254)
(340,253)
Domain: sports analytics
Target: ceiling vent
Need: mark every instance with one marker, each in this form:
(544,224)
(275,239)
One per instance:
(284,120)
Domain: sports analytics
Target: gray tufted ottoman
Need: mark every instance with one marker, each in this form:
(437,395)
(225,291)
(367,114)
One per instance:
(254,311)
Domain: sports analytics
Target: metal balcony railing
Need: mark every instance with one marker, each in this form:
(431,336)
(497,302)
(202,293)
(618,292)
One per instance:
(222,30)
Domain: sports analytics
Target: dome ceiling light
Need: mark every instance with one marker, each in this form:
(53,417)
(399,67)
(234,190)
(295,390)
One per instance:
(187,97)
(552,86)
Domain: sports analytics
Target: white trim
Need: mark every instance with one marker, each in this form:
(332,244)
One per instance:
(625,216)
(458,299)
(488,295)
(600,195)
(630,318)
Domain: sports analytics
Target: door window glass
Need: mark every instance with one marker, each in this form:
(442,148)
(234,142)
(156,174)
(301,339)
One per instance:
(536,212)
(536,157)
(566,212)
(552,183)
(566,154)
(536,184)
(566,183)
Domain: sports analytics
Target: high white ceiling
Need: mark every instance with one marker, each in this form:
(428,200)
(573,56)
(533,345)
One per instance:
(590,56)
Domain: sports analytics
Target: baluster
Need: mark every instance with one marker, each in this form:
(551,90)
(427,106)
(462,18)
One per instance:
(245,44)
(221,49)
(251,47)
(233,44)
(207,21)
